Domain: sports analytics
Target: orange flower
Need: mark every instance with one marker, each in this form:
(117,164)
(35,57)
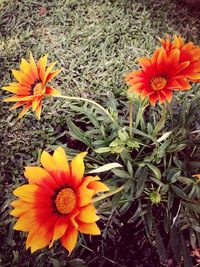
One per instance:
(159,76)
(188,53)
(32,85)
(56,203)
(196,175)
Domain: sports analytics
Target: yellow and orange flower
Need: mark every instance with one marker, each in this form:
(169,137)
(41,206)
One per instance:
(159,76)
(32,85)
(57,202)
(188,53)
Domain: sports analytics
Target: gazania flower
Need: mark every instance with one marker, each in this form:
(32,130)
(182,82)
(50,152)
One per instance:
(188,53)
(197,176)
(159,76)
(32,85)
(57,202)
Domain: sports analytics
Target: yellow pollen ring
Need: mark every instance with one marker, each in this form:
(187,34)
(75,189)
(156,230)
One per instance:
(65,201)
(158,83)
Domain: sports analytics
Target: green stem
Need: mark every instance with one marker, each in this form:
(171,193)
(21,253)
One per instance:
(131,120)
(108,194)
(86,100)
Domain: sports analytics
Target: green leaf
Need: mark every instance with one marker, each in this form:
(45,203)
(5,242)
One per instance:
(140,177)
(121,174)
(102,150)
(155,170)
(179,192)
(77,133)
(106,167)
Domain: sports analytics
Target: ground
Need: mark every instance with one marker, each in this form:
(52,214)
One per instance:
(95,43)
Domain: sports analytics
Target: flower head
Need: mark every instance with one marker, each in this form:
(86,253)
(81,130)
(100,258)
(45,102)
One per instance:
(188,53)
(32,85)
(159,76)
(57,202)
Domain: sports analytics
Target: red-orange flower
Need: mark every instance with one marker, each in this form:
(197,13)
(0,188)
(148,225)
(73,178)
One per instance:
(188,53)
(159,76)
(57,202)
(32,85)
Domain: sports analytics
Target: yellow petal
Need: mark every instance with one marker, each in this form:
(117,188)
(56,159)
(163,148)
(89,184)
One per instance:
(26,192)
(33,66)
(89,228)
(22,78)
(38,110)
(20,207)
(38,176)
(88,214)
(25,67)
(77,169)
(26,221)
(42,65)
(36,102)
(49,164)
(70,238)
(19,98)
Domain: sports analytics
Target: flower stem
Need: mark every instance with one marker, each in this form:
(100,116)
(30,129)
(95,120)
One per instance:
(108,194)
(86,100)
(131,119)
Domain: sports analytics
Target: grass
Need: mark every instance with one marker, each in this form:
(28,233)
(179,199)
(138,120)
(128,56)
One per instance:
(95,44)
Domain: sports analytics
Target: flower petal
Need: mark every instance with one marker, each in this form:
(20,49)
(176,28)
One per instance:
(88,214)
(59,228)
(89,228)
(69,239)
(77,169)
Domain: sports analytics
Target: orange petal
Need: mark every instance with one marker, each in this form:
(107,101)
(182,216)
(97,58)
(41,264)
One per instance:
(98,186)
(61,163)
(39,239)
(52,75)
(17,105)
(89,228)
(70,238)
(48,70)
(51,91)
(88,214)
(59,229)
(153,98)
(84,194)
(77,169)
(24,110)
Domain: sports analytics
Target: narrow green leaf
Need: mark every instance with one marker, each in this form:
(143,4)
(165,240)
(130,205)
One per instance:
(155,170)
